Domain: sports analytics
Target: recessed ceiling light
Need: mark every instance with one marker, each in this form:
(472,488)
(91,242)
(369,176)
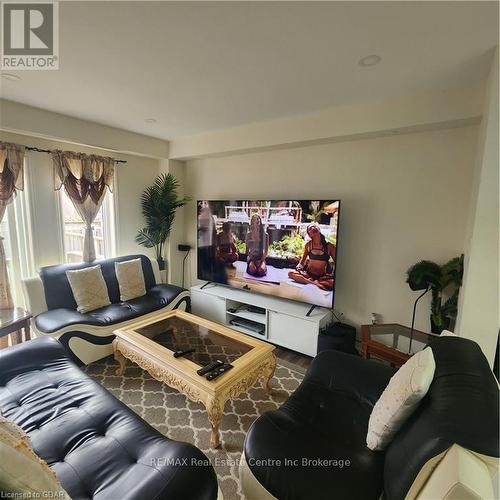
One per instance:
(150,120)
(371,60)
(10,77)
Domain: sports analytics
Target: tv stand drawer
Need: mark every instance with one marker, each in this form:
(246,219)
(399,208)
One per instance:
(211,307)
(293,333)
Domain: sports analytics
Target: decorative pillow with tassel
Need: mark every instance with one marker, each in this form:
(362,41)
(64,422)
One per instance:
(22,471)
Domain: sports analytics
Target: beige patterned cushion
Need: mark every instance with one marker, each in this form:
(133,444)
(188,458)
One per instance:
(89,288)
(130,279)
(400,399)
(21,470)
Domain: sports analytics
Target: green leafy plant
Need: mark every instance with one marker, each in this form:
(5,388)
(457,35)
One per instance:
(441,280)
(240,245)
(159,203)
(288,246)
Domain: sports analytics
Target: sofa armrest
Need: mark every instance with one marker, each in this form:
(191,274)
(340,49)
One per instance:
(460,475)
(29,356)
(340,371)
(34,295)
(156,270)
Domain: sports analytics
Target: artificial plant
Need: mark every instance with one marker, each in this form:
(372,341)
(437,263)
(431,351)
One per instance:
(446,278)
(159,203)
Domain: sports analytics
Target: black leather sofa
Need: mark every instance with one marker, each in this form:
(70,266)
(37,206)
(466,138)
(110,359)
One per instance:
(88,336)
(327,419)
(98,448)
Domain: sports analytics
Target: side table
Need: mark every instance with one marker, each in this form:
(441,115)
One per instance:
(392,342)
(13,321)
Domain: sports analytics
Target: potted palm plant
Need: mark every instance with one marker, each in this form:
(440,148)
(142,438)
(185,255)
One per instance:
(440,280)
(159,203)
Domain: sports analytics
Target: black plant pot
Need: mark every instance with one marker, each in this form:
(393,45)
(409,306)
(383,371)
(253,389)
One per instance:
(161,263)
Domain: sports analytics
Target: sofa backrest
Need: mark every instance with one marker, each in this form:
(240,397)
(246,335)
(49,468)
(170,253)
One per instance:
(57,289)
(461,407)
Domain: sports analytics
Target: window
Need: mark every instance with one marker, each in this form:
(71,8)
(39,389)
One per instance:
(17,244)
(74,229)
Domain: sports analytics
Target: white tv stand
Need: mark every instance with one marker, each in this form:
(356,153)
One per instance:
(283,322)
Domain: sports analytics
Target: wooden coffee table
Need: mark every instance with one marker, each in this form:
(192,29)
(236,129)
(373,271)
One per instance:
(151,343)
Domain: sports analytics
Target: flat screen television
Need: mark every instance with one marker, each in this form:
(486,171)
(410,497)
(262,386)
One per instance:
(285,248)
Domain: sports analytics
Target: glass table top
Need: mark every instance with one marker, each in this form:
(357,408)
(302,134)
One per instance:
(180,334)
(398,337)
(10,316)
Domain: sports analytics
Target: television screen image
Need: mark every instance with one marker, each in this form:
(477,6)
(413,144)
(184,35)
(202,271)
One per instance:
(282,248)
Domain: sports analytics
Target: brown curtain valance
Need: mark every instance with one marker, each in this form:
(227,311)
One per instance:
(83,175)
(11,171)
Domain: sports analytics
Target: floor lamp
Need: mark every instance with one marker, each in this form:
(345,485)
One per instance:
(413,317)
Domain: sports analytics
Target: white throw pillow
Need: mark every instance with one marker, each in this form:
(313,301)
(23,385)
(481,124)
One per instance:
(89,288)
(23,473)
(400,399)
(130,279)
(447,333)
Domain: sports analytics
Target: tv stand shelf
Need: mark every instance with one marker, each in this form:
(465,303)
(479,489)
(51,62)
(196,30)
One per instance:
(251,316)
(283,322)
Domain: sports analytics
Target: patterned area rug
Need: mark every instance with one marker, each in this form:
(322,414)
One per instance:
(178,418)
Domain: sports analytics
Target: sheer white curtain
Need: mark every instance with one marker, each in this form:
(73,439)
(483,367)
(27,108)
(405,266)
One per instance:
(19,235)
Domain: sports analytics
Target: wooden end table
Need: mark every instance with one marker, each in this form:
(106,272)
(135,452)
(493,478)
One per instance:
(14,321)
(391,342)
(151,344)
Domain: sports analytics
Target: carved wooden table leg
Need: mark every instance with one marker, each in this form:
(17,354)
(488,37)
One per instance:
(120,358)
(268,373)
(215,408)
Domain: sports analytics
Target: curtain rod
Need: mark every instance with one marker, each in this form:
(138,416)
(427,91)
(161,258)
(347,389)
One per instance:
(38,150)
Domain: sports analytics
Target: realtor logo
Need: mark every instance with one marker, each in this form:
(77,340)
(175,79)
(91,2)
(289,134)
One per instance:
(30,38)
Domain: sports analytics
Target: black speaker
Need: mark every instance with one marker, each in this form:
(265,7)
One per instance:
(338,336)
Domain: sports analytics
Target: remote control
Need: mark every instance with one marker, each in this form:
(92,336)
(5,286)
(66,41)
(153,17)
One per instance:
(219,371)
(208,368)
(178,354)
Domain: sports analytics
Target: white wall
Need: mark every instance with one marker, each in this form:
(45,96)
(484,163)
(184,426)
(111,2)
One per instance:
(417,112)
(404,198)
(479,317)
(131,179)
(36,122)
(178,232)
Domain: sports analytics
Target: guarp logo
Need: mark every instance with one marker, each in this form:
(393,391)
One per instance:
(30,39)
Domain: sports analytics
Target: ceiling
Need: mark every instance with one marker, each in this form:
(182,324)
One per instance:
(200,66)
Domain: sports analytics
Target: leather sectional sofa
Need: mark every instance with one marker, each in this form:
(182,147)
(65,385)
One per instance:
(98,448)
(88,336)
(314,446)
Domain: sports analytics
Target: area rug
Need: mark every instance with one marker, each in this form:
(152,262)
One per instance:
(178,418)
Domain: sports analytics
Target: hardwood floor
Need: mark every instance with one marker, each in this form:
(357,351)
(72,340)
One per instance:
(293,357)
